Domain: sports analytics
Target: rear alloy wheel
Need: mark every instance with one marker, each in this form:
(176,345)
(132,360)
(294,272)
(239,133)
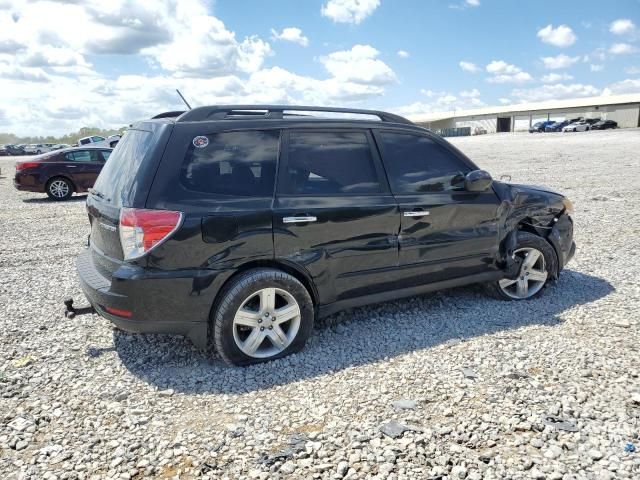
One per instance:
(59,189)
(263,315)
(538,264)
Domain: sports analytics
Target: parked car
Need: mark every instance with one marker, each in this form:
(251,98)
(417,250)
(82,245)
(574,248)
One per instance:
(238,229)
(37,149)
(604,124)
(13,150)
(540,126)
(3,151)
(580,126)
(556,126)
(98,141)
(60,146)
(62,172)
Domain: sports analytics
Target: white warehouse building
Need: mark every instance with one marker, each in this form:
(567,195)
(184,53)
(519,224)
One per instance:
(624,109)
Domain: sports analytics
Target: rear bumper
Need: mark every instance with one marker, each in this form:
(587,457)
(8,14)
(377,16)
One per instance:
(175,302)
(27,183)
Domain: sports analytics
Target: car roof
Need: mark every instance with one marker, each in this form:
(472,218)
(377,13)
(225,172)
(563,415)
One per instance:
(88,147)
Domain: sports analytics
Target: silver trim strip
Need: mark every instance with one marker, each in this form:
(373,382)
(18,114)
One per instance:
(416,213)
(298,219)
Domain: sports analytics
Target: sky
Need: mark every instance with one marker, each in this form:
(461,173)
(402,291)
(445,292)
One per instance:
(107,63)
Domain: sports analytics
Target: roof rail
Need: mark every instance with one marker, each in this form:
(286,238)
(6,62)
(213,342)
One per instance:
(221,112)
(175,113)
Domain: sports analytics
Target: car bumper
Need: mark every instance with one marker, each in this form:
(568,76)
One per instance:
(172,302)
(561,237)
(26,183)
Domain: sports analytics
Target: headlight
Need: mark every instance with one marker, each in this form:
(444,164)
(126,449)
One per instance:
(568,206)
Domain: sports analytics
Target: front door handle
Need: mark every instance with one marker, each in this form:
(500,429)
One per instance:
(416,213)
(306,219)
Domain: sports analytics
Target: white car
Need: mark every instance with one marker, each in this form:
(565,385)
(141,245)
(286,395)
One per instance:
(580,126)
(98,141)
(37,149)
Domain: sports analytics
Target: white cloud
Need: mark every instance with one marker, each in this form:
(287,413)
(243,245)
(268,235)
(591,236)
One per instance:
(349,11)
(559,61)
(555,77)
(622,26)
(403,54)
(473,3)
(504,72)
(633,70)
(290,34)
(469,66)
(359,65)
(595,67)
(554,92)
(428,93)
(562,36)
(504,101)
(465,4)
(48,85)
(621,49)
(625,86)
(474,93)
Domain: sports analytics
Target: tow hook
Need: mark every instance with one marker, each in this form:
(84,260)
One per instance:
(71,311)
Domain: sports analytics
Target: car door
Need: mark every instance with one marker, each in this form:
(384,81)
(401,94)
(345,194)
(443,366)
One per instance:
(333,213)
(446,232)
(83,166)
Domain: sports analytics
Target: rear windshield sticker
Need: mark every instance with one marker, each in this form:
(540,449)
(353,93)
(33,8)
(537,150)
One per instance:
(200,142)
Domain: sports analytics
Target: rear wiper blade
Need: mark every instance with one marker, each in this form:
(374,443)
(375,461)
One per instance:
(95,192)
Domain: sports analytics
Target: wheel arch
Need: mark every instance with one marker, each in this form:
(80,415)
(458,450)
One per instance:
(295,271)
(526,225)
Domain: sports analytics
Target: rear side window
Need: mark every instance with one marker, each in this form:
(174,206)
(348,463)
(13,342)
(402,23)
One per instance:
(119,173)
(326,163)
(83,156)
(232,163)
(417,164)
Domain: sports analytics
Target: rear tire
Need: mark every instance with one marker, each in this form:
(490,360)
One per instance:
(59,189)
(540,264)
(263,314)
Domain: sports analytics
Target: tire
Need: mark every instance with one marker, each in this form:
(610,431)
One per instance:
(59,189)
(547,261)
(239,317)
(38,152)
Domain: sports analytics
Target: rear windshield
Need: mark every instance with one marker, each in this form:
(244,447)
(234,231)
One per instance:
(119,173)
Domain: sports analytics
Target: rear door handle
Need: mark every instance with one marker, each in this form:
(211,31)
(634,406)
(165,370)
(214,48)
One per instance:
(306,219)
(416,213)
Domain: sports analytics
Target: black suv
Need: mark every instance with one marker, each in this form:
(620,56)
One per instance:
(238,225)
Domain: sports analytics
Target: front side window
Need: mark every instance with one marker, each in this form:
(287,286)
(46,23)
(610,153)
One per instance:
(417,164)
(97,139)
(330,163)
(232,163)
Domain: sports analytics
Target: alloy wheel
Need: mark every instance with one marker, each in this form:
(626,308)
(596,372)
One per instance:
(531,277)
(59,188)
(266,323)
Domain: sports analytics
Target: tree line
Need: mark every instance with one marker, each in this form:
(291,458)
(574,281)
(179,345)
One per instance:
(70,138)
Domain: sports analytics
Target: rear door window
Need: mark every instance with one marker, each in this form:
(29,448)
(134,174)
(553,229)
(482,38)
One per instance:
(83,156)
(330,163)
(241,163)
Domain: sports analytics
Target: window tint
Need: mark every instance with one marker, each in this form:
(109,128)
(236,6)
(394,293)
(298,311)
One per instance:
(418,164)
(323,163)
(105,154)
(120,173)
(84,141)
(233,163)
(83,156)
(97,139)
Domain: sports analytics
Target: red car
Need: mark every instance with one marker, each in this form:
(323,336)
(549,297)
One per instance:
(62,172)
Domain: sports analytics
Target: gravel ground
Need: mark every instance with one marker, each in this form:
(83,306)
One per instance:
(472,387)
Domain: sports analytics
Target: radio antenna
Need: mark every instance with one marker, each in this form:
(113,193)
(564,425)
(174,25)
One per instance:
(184,99)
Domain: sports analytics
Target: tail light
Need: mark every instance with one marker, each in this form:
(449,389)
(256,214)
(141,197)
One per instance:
(25,165)
(141,230)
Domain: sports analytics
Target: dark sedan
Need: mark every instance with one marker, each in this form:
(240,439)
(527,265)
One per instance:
(62,172)
(604,124)
(12,150)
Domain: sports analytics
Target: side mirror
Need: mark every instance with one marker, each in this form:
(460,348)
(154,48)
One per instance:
(477,181)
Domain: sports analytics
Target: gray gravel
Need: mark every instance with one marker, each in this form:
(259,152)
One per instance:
(544,389)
